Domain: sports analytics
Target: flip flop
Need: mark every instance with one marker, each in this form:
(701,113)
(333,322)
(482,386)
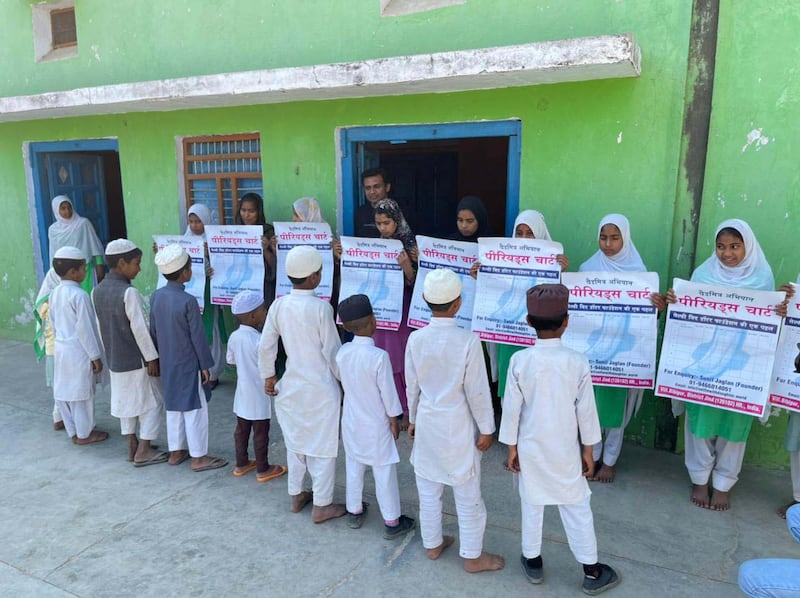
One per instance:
(245,470)
(271,476)
(182,459)
(215,463)
(159,458)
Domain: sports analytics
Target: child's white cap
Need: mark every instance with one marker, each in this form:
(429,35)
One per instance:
(68,252)
(120,246)
(303,261)
(171,258)
(246,301)
(441,286)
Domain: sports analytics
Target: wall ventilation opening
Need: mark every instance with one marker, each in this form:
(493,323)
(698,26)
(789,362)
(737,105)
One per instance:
(397,8)
(55,35)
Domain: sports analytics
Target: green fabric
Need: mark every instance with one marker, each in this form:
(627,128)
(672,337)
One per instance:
(88,282)
(504,353)
(610,405)
(39,336)
(707,422)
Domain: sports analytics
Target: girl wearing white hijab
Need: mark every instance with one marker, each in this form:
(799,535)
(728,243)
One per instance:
(715,438)
(71,229)
(306,209)
(197,217)
(615,406)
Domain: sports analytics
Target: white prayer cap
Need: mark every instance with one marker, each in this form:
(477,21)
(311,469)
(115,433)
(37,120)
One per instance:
(171,258)
(245,302)
(120,246)
(68,252)
(302,261)
(441,286)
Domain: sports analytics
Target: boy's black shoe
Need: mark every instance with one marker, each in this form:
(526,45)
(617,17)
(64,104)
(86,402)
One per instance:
(356,521)
(533,569)
(404,525)
(605,580)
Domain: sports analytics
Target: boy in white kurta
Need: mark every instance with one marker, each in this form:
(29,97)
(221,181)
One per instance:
(308,396)
(251,404)
(451,422)
(550,425)
(369,420)
(77,355)
(132,359)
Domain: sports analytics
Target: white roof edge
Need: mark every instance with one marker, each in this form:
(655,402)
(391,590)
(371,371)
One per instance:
(578,59)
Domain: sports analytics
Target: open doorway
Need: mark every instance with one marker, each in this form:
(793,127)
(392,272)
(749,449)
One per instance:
(86,171)
(431,167)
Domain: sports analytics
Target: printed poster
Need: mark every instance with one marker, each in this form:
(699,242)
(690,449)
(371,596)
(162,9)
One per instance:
(457,256)
(237,259)
(194,247)
(369,267)
(613,323)
(509,267)
(294,234)
(785,388)
(719,347)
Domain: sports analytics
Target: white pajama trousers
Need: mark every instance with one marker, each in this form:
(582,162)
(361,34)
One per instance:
(578,524)
(387,491)
(216,348)
(189,429)
(56,413)
(322,471)
(717,456)
(469,507)
(78,417)
(610,448)
(149,423)
(794,463)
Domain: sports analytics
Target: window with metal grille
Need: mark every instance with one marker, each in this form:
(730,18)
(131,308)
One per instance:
(62,26)
(219,169)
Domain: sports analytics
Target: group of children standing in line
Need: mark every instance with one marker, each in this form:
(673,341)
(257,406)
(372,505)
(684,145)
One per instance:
(550,415)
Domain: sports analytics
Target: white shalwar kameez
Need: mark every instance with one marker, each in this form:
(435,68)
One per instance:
(370,399)
(137,398)
(448,397)
(77,345)
(548,413)
(309,397)
(250,402)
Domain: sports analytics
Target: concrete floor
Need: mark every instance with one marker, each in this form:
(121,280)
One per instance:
(81,521)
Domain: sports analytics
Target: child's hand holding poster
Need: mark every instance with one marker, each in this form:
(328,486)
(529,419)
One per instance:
(294,234)
(509,267)
(196,287)
(369,267)
(719,347)
(237,259)
(457,256)
(613,323)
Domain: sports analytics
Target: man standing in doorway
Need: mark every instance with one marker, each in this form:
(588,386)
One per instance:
(375,189)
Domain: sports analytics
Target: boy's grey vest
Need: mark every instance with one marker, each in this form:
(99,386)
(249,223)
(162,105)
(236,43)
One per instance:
(122,352)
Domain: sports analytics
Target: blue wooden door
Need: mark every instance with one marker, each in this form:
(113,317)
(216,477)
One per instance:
(79,176)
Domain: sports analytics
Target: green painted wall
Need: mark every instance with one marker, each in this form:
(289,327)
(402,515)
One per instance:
(757,88)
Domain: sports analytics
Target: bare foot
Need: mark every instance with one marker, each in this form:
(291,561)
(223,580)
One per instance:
(57,426)
(606,474)
(720,500)
(301,500)
(435,553)
(782,511)
(699,496)
(95,436)
(403,423)
(133,445)
(485,562)
(145,452)
(178,457)
(332,511)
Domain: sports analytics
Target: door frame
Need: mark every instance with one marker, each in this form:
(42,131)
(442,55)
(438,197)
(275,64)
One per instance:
(349,194)
(31,151)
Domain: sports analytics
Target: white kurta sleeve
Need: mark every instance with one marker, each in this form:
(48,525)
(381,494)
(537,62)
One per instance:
(385,380)
(586,409)
(412,383)
(476,388)
(512,406)
(268,346)
(86,327)
(331,343)
(134,309)
(230,354)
